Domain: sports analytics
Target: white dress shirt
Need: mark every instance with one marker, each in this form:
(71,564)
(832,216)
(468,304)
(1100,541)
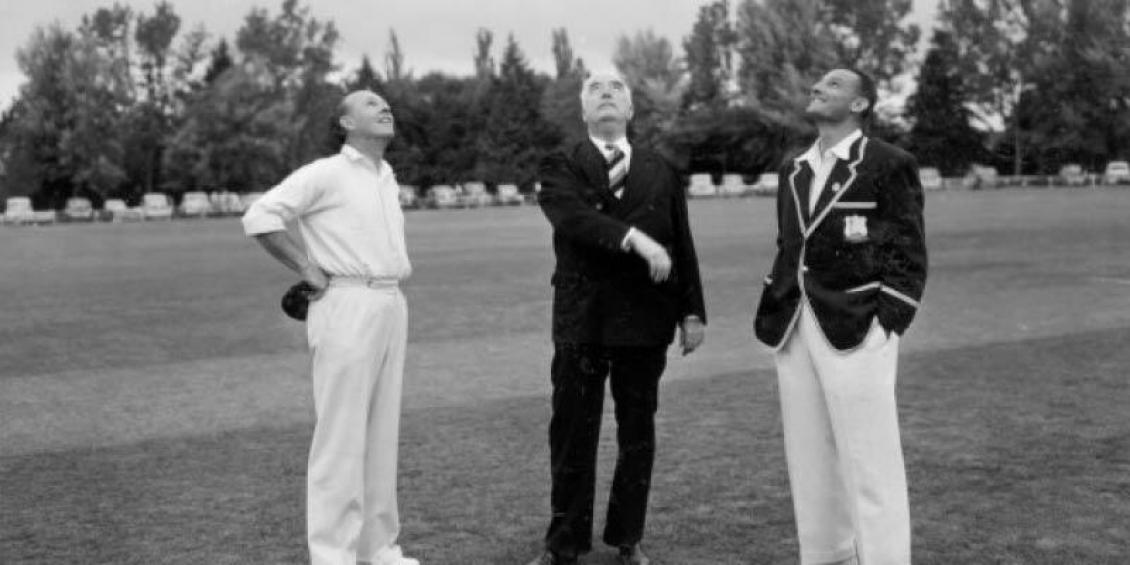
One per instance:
(347,210)
(823,163)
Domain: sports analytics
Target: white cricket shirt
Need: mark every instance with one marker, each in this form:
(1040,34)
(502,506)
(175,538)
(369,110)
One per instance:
(347,210)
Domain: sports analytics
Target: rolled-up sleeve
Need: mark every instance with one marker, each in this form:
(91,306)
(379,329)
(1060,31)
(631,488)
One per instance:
(288,200)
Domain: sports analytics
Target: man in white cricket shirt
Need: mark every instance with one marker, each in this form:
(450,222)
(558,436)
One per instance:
(347,209)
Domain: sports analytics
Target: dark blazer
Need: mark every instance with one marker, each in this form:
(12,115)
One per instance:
(603,294)
(860,255)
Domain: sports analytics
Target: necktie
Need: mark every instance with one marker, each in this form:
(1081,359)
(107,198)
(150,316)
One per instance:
(617,170)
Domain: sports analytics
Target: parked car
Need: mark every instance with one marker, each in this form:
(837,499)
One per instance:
(508,195)
(409,199)
(18,211)
(195,204)
(78,209)
(1072,174)
(43,217)
(701,186)
(226,203)
(156,206)
(115,210)
(1117,172)
(733,185)
(930,178)
(475,195)
(767,184)
(442,196)
(981,176)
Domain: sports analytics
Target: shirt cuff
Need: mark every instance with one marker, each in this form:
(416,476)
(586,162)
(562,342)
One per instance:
(624,242)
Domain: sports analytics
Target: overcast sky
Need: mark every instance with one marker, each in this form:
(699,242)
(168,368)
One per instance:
(434,34)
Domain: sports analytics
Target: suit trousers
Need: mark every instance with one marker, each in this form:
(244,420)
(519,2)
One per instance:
(578,374)
(843,448)
(358,337)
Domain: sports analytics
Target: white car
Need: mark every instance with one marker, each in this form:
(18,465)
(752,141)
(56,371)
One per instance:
(409,198)
(1117,172)
(508,195)
(701,186)
(18,211)
(195,204)
(78,209)
(1072,174)
(930,178)
(475,195)
(117,211)
(155,206)
(733,185)
(443,196)
(767,184)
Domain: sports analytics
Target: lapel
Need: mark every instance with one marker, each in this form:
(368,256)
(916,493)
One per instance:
(800,181)
(639,181)
(839,181)
(595,169)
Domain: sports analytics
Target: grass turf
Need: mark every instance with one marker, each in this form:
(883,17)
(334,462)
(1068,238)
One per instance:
(154,406)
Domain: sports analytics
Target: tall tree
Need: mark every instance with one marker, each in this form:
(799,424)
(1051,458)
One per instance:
(220,60)
(648,63)
(565,61)
(484,60)
(708,56)
(942,135)
(151,119)
(515,136)
(873,35)
(394,59)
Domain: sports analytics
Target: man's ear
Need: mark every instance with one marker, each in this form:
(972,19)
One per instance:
(859,105)
(345,122)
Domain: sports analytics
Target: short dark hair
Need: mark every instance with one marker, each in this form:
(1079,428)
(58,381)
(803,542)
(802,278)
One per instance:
(337,132)
(868,90)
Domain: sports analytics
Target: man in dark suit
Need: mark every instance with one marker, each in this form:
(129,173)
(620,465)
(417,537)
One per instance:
(846,282)
(626,277)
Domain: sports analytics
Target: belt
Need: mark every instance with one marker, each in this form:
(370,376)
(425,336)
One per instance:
(370,282)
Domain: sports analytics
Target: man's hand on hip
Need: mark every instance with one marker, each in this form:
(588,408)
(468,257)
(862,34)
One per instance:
(658,261)
(692,332)
(317,278)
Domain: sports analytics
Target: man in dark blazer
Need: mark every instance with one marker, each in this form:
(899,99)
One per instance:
(626,277)
(846,283)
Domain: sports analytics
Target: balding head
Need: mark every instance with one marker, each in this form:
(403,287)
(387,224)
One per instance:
(364,113)
(606,99)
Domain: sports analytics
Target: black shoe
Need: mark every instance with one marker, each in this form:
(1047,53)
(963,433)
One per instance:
(633,555)
(550,558)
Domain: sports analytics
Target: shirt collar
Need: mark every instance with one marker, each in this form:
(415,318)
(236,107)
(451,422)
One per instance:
(356,156)
(841,150)
(621,143)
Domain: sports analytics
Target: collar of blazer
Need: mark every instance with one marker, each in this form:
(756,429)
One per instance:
(839,181)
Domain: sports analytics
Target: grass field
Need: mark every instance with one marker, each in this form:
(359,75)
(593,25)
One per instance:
(155,407)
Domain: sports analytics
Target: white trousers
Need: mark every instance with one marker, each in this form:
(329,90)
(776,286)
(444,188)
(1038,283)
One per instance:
(843,449)
(358,337)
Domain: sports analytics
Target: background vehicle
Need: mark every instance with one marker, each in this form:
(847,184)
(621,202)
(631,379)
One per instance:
(930,178)
(18,211)
(442,196)
(78,209)
(475,195)
(767,184)
(155,206)
(1117,172)
(733,185)
(508,195)
(409,199)
(195,204)
(1072,174)
(701,186)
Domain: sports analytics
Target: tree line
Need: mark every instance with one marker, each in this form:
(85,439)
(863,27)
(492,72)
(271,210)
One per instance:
(129,103)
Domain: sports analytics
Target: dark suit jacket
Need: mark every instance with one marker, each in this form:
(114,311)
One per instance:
(860,255)
(603,294)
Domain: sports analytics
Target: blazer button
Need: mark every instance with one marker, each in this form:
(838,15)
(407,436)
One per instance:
(804,268)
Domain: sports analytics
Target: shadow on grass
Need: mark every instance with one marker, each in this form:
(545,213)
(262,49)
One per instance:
(1018,453)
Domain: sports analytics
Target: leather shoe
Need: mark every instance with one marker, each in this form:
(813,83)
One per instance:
(551,558)
(633,555)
